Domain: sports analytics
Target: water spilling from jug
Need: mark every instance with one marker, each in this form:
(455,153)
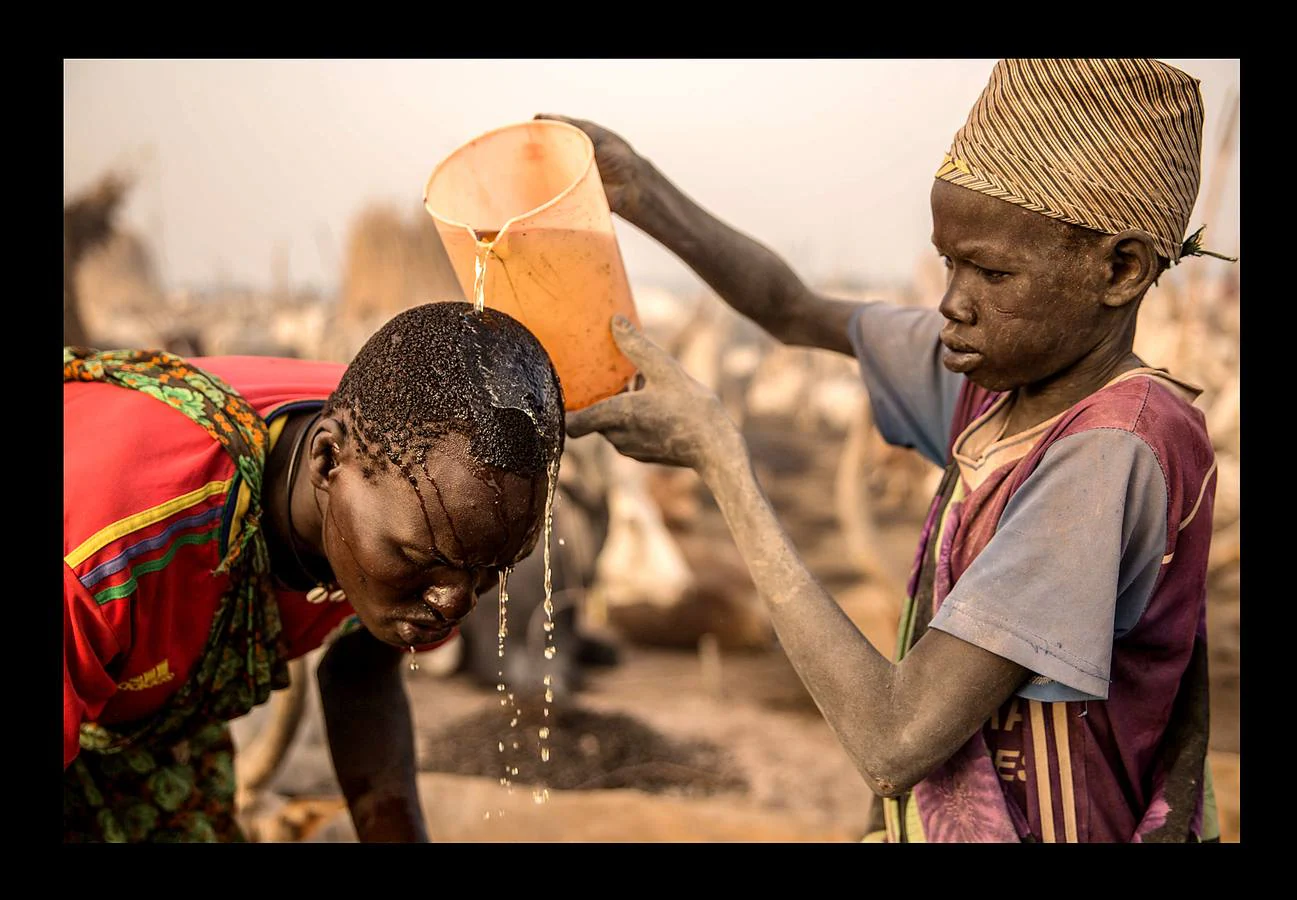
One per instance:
(523,217)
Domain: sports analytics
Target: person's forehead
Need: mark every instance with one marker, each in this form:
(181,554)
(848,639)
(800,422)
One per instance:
(451,501)
(969,222)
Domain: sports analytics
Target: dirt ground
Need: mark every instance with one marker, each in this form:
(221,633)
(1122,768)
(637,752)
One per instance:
(675,744)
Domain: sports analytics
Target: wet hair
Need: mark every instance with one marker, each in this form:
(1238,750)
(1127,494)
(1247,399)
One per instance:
(441,368)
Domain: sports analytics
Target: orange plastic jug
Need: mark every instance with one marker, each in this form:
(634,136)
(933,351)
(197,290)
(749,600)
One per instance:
(523,205)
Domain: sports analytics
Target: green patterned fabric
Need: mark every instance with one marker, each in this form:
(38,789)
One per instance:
(170,777)
(181,794)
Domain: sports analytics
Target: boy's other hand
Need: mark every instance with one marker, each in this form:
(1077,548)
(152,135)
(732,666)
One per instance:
(672,420)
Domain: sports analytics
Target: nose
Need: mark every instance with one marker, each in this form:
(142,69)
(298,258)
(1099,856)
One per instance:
(956,304)
(452,599)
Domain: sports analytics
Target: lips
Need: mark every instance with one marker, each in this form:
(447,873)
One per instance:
(954,344)
(413,631)
(958,356)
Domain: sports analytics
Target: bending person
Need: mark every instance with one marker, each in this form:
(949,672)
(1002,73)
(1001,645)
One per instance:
(223,516)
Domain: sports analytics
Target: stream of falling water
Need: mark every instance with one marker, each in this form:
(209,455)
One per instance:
(505,700)
(484,241)
(542,795)
(539,795)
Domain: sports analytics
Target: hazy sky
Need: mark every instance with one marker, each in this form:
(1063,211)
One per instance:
(828,162)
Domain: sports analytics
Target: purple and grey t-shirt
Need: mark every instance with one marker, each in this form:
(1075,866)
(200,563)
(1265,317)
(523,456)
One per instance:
(1071,549)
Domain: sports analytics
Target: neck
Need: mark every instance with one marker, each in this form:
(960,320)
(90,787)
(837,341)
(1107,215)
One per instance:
(294,537)
(1036,403)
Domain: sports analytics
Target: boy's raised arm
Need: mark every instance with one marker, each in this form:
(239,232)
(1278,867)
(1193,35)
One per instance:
(746,274)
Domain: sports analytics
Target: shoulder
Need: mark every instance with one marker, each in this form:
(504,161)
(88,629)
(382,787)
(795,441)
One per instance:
(1159,412)
(1152,406)
(129,457)
(139,480)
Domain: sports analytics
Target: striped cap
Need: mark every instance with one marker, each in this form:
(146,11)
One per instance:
(1107,144)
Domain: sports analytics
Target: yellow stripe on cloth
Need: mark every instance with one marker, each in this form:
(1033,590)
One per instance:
(914,833)
(274,429)
(1040,769)
(1066,788)
(892,819)
(105,536)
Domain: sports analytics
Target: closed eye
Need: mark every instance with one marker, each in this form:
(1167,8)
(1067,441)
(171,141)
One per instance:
(422,559)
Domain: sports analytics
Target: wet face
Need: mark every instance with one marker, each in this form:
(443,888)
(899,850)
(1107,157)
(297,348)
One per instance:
(413,558)
(1025,294)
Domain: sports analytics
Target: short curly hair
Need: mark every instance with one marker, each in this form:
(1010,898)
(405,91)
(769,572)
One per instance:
(444,367)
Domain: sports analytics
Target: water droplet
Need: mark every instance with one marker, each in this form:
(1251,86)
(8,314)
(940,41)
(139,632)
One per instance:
(544,733)
(515,745)
(414,664)
(513,723)
(549,652)
(562,543)
(544,754)
(502,746)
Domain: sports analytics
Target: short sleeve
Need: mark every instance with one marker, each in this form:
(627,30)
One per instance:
(1071,567)
(89,645)
(911,392)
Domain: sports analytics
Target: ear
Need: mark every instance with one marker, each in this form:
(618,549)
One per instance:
(1133,266)
(324,453)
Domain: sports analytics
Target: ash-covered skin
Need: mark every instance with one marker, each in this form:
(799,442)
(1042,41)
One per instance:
(444,367)
(1033,305)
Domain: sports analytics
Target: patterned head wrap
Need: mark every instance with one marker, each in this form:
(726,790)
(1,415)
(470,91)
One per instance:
(1107,144)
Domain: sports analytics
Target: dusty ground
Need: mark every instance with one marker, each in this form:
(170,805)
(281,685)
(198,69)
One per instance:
(676,744)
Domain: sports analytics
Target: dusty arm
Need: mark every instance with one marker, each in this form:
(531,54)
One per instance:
(895,721)
(371,738)
(744,273)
